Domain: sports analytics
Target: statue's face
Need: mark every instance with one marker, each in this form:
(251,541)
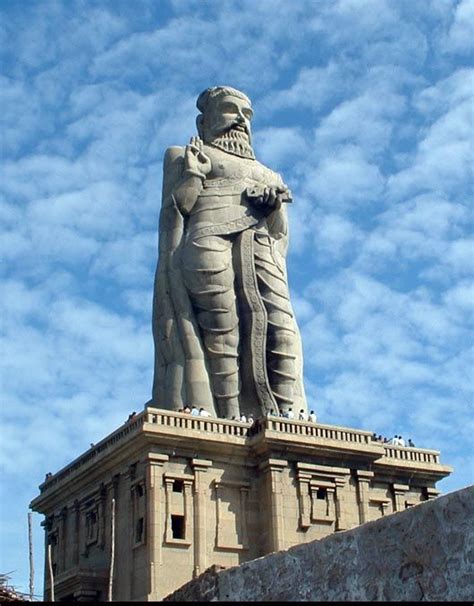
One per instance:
(227,113)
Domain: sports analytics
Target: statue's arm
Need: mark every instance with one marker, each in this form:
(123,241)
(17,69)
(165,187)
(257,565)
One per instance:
(187,193)
(183,188)
(188,168)
(278,219)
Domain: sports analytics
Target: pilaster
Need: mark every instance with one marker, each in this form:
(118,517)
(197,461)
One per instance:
(76,532)
(340,482)
(200,467)
(154,471)
(363,486)
(273,468)
(101,504)
(304,499)
(62,532)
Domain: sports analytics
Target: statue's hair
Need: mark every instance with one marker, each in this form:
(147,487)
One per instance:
(216,91)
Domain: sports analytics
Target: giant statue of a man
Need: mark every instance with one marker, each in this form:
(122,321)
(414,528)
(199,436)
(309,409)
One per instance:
(225,334)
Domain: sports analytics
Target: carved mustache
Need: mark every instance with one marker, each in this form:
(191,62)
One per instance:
(235,129)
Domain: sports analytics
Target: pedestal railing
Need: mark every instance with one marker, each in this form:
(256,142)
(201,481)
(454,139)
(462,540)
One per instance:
(213,425)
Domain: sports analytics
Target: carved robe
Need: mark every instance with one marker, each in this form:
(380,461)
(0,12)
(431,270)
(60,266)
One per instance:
(225,335)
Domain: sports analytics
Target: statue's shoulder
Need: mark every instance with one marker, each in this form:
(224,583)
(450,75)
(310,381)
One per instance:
(174,154)
(173,165)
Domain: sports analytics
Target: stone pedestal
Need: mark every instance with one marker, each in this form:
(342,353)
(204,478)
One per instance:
(192,492)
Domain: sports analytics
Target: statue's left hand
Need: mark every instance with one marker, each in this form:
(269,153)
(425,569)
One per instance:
(271,198)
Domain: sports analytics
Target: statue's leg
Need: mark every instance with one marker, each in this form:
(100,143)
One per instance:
(209,277)
(280,351)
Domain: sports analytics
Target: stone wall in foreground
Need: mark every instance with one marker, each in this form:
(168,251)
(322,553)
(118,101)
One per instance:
(423,553)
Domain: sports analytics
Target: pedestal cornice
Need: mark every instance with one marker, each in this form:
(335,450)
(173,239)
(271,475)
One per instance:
(174,431)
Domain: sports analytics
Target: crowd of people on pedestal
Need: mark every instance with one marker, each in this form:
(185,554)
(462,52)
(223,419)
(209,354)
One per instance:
(395,441)
(194,411)
(289,414)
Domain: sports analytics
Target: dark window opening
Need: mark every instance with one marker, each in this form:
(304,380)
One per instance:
(177,527)
(178,486)
(139,529)
(321,494)
(139,490)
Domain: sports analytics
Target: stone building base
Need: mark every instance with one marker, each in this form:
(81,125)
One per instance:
(191,492)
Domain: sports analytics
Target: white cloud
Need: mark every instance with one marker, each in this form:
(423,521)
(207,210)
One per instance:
(89,210)
(459,256)
(128,260)
(442,162)
(334,237)
(421,229)
(278,147)
(376,30)
(446,93)
(459,39)
(345,179)
(460,299)
(302,307)
(377,114)
(313,88)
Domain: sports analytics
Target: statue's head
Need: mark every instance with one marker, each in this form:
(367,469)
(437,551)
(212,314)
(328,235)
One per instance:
(225,120)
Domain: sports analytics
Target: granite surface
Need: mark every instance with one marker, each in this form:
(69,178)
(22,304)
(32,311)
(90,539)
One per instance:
(425,553)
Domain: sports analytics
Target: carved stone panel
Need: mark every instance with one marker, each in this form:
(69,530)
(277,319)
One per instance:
(231,515)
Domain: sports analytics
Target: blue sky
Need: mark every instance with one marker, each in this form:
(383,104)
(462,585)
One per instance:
(364,106)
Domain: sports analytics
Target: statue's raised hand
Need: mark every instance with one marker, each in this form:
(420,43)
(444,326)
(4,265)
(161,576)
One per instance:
(196,162)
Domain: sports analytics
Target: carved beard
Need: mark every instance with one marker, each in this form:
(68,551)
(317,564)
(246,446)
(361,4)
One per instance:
(234,142)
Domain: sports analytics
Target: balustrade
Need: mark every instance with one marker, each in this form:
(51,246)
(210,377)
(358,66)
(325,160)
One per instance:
(416,455)
(186,421)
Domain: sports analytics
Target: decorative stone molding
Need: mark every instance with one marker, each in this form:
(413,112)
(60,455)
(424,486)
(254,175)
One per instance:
(323,508)
(399,491)
(226,538)
(327,487)
(178,505)
(431,493)
(138,500)
(382,504)
(91,524)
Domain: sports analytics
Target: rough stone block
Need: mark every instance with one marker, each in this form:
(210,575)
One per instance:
(425,553)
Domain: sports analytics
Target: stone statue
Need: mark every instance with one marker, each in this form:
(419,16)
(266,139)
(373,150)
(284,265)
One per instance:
(225,334)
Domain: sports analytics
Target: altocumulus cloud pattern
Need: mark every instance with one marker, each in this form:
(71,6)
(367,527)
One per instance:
(365,106)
